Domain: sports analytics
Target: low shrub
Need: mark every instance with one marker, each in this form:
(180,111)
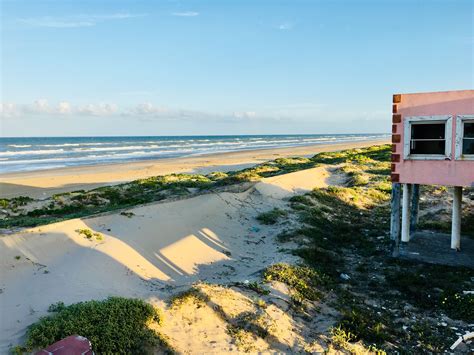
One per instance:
(115,325)
(304,281)
(271,217)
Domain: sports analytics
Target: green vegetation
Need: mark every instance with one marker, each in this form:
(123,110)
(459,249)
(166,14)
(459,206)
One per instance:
(255,286)
(384,304)
(428,287)
(431,223)
(344,230)
(191,295)
(89,234)
(109,198)
(115,325)
(15,202)
(303,281)
(440,219)
(244,339)
(271,217)
(345,340)
(245,327)
(430,338)
(360,156)
(366,324)
(127,214)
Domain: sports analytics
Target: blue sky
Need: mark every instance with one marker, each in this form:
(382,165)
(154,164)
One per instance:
(128,67)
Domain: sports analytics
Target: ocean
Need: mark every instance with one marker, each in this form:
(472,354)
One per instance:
(39,153)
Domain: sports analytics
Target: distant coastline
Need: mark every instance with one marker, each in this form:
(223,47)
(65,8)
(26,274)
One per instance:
(44,153)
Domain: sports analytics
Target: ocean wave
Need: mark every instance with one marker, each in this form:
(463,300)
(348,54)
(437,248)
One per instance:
(75,144)
(28,155)
(95,157)
(110,149)
(31,152)
(19,145)
(201,146)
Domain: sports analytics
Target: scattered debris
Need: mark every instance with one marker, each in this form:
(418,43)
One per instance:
(462,339)
(345,277)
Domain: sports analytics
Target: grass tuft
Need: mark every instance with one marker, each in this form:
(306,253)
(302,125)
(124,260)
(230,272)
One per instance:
(271,217)
(89,234)
(305,282)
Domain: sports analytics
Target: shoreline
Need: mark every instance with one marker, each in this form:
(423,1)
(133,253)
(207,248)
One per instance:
(44,183)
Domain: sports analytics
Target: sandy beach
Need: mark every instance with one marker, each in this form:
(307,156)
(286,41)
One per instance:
(41,184)
(162,249)
(190,177)
(206,238)
(203,258)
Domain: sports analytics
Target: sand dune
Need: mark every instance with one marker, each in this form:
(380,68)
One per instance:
(161,247)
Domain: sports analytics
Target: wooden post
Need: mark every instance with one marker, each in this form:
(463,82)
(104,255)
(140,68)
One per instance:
(406,213)
(456,222)
(415,207)
(395,219)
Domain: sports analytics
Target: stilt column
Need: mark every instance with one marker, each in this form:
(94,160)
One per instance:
(395,218)
(406,213)
(415,207)
(456,222)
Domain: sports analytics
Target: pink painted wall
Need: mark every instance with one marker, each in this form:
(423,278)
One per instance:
(431,172)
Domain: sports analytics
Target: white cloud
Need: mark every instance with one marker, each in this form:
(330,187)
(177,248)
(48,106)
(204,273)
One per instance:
(64,108)
(246,114)
(101,109)
(186,14)
(42,107)
(74,21)
(146,108)
(8,109)
(286,26)
(143,111)
(149,111)
(116,16)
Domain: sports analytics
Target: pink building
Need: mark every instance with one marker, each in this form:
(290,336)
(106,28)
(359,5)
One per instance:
(433,144)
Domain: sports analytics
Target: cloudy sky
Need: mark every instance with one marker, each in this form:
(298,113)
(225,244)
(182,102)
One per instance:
(128,67)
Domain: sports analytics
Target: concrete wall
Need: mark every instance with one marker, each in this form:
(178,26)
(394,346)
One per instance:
(431,172)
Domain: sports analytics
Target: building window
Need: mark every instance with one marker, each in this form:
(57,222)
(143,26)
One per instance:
(468,138)
(427,137)
(465,137)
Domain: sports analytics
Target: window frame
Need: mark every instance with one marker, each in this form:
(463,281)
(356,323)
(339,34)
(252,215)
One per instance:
(407,123)
(460,120)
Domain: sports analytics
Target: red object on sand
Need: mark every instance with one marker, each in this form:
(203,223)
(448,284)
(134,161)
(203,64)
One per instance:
(72,345)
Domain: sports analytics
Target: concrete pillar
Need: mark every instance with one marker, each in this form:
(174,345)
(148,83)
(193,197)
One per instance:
(406,213)
(456,221)
(395,218)
(415,207)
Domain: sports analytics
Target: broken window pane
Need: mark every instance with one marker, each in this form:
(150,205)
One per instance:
(468,138)
(428,138)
